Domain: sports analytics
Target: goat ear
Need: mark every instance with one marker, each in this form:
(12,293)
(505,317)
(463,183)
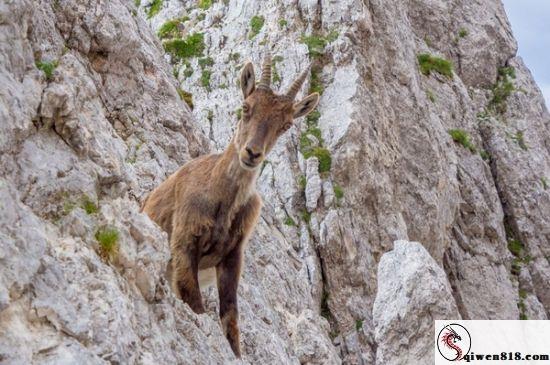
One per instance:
(248,80)
(306,105)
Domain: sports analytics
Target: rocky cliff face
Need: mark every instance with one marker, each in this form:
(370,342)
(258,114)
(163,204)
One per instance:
(94,115)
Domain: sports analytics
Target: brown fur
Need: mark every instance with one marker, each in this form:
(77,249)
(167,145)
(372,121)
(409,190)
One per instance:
(209,207)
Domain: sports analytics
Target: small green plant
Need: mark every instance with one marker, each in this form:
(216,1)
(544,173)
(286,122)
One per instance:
(315,83)
(516,247)
(302,182)
(89,206)
(338,192)
(201,16)
(358,324)
(520,140)
(429,63)
(323,155)
(206,62)
(180,49)
(485,155)
(544,183)
(282,23)
(153,8)
(107,237)
(290,222)
(256,24)
(306,216)
(205,79)
(312,118)
(462,33)
(137,3)
(460,136)
(239,113)
(430,95)
(48,67)
(315,45)
(187,97)
(235,57)
(170,29)
(503,88)
(204,4)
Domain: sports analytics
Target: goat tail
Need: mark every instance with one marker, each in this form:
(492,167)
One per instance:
(207,277)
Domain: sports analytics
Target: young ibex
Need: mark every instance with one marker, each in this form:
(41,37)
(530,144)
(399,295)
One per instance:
(209,207)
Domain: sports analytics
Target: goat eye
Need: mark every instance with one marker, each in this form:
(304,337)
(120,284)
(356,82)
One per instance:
(246,108)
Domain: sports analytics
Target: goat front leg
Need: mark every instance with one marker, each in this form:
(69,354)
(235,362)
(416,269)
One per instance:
(228,273)
(185,264)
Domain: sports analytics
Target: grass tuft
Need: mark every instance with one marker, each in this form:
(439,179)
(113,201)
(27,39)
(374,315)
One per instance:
(462,33)
(180,49)
(502,89)
(282,23)
(358,324)
(302,182)
(107,237)
(486,156)
(206,62)
(170,29)
(429,63)
(306,216)
(316,43)
(48,67)
(256,24)
(204,4)
(89,206)
(153,8)
(338,192)
(515,247)
(205,79)
(290,222)
(323,155)
(460,136)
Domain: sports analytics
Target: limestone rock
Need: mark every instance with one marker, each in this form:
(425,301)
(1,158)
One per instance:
(91,120)
(413,291)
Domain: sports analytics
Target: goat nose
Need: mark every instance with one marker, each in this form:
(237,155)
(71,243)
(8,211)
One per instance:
(251,153)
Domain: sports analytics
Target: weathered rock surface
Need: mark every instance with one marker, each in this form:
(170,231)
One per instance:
(413,291)
(84,139)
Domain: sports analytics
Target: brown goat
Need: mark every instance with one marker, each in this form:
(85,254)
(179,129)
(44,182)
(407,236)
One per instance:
(209,207)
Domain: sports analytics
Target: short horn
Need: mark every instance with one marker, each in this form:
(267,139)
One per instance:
(297,84)
(265,80)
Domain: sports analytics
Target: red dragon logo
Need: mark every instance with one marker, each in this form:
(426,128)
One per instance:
(453,342)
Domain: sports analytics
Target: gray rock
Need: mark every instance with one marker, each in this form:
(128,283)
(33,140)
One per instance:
(107,126)
(413,291)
